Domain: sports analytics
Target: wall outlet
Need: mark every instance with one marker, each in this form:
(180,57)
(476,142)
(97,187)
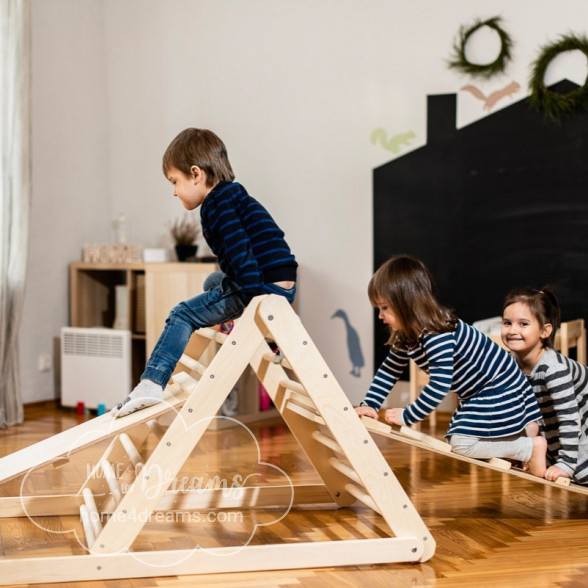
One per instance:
(44,362)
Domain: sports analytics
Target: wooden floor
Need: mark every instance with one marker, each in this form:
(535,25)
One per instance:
(491,529)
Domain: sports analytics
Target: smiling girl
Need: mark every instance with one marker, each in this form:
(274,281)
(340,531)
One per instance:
(529,321)
(496,403)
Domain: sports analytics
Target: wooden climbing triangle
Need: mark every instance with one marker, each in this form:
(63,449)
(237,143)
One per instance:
(311,403)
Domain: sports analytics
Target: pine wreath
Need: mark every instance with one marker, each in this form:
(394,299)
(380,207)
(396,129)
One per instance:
(554,104)
(460,61)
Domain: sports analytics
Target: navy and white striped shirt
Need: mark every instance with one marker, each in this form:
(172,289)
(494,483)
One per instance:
(560,385)
(249,245)
(495,399)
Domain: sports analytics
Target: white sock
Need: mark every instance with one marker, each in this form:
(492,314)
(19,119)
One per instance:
(146,393)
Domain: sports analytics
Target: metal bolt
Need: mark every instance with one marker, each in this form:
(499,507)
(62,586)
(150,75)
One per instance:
(233,342)
(212,376)
(365,441)
(190,410)
(385,473)
(168,444)
(304,342)
(414,549)
(270,317)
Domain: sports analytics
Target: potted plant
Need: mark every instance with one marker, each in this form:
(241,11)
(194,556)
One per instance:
(185,231)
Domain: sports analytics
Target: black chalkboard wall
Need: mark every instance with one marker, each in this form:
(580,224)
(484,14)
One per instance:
(498,204)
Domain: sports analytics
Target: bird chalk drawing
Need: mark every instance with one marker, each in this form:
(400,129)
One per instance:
(492,98)
(353,344)
(394,143)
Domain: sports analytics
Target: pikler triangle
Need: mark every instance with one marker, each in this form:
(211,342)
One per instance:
(313,406)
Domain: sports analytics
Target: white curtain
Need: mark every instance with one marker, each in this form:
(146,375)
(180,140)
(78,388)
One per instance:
(15,188)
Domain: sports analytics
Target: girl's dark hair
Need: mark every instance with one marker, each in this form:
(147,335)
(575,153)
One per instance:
(202,148)
(406,285)
(542,303)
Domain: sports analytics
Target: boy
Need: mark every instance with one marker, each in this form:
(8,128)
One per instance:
(253,256)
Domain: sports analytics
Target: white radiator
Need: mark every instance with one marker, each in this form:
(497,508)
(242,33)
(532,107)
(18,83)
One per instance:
(95,366)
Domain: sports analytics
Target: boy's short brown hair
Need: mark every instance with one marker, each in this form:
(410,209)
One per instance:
(202,148)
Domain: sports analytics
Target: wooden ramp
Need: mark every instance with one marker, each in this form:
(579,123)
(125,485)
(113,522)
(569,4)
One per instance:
(418,439)
(312,404)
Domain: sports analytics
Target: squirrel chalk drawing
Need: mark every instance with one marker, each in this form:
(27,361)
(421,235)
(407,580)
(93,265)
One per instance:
(493,97)
(394,143)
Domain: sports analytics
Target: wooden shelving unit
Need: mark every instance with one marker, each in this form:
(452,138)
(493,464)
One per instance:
(153,289)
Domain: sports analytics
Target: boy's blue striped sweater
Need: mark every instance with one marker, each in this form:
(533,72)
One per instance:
(249,245)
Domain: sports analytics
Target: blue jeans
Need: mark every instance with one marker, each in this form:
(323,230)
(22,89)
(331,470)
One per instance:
(222,300)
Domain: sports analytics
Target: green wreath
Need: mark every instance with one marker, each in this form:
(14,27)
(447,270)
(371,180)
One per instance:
(460,61)
(554,104)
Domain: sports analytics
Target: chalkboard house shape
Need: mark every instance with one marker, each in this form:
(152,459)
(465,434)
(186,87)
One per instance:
(500,203)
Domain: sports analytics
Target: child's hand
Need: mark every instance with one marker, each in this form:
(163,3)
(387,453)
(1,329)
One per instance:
(366,411)
(553,473)
(394,416)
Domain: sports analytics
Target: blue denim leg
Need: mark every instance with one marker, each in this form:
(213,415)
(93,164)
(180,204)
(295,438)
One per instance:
(222,300)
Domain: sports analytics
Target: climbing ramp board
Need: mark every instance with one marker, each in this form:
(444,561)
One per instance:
(58,448)
(424,441)
(315,409)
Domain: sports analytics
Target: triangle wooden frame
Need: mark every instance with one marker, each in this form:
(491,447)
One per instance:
(315,409)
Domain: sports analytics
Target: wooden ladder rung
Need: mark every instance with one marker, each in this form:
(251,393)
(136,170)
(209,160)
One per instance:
(294,386)
(353,489)
(131,450)
(157,429)
(192,364)
(344,469)
(211,334)
(87,526)
(93,516)
(327,442)
(278,358)
(362,496)
(111,480)
(304,412)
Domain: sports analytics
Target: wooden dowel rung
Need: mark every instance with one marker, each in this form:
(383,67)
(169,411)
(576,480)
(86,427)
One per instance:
(157,429)
(277,358)
(211,334)
(294,386)
(362,496)
(192,364)
(345,469)
(87,525)
(327,441)
(92,511)
(131,450)
(111,480)
(304,412)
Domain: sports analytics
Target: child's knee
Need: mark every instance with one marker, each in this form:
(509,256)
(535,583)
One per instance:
(462,445)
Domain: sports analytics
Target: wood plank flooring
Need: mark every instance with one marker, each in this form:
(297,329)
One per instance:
(492,530)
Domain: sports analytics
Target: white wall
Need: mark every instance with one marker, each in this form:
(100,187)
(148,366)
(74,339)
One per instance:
(295,89)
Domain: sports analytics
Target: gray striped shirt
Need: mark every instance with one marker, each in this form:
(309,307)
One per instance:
(561,388)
